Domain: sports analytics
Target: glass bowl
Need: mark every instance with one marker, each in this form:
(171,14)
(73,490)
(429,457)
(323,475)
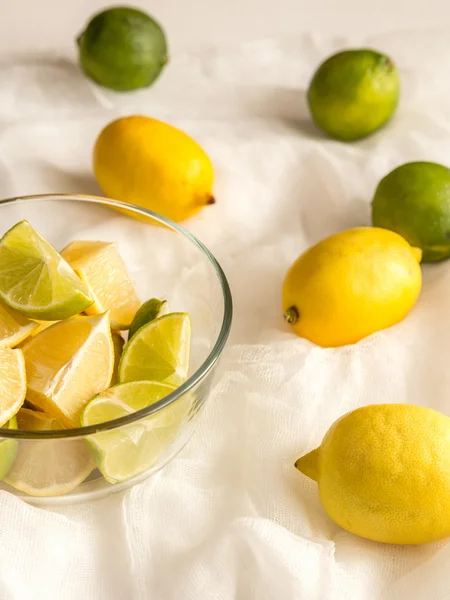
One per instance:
(165,261)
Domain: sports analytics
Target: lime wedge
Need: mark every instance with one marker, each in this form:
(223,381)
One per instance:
(13,383)
(149,311)
(102,269)
(35,280)
(8,450)
(67,364)
(159,351)
(124,453)
(48,467)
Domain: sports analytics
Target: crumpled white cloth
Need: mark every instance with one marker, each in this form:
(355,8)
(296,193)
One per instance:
(230,518)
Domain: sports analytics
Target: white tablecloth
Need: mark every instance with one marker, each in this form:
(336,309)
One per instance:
(230,518)
(48,24)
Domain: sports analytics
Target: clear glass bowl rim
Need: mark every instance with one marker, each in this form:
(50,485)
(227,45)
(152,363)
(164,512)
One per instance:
(193,380)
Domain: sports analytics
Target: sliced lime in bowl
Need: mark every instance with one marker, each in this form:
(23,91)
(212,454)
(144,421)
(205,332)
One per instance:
(149,311)
(159,351)
(8,450)
(34,278)
(122,454)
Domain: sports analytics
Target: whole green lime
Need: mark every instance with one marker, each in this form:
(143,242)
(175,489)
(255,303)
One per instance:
(122,49)
(353,93)
(414,201)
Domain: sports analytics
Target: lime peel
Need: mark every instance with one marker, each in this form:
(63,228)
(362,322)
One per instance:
(149,311)
(159,351)
(35,280)
(124,453)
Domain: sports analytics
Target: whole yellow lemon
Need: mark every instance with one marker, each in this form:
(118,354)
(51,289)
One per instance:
(350,285)
(384,473)
(154,165)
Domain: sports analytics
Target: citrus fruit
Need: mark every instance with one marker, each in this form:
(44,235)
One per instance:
(48,467)
(353,93)
(122,48)
(13,383)
(159,351)
(154,165)
(384,473)
(414,201)
(350,285)
(102,269)
(126,452)
(67,364)
(8,450)
(41,325)
(35,280)
(118,344)
(14,327)
(149,311)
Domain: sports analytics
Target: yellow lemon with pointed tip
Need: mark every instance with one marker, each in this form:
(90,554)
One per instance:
(384,473)
(350,285)
(153,165)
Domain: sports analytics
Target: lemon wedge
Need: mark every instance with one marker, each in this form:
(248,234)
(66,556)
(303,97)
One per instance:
(41,325)
(67,364)
(100,266)
(13,383)
(48,467)
(118,343)
(14,327)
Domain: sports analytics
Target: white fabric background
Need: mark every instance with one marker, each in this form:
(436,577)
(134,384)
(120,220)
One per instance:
(48,24)
(230,518)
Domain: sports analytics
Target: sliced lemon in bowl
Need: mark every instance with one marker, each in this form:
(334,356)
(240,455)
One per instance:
(159,351)
(133,449)
(48,467)
(41,325)
(102,269)
(14,327)
(35,280)
(13,383)
(67,364)
(118,344)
